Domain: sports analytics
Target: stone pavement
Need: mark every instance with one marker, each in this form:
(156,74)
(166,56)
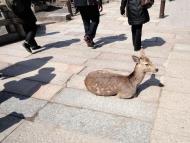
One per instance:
(43,98)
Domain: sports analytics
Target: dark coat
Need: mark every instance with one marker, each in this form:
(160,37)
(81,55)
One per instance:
(22,9)
(86,2)
(135,13)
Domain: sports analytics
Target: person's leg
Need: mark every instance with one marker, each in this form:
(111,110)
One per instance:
(30,30)
(85,18)
(26,43)
(133,31)
(95,18)
(86,22)
(138,30)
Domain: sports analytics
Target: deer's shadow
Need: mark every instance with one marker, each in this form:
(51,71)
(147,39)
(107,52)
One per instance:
(150,82)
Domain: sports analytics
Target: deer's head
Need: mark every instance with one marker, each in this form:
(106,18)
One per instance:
(144,64)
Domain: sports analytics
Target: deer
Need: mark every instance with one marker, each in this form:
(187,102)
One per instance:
(106,83)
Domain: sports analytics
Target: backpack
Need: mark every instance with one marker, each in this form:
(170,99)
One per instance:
(147,3)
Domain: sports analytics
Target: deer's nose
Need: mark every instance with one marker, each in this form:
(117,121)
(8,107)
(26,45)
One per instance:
(156,70)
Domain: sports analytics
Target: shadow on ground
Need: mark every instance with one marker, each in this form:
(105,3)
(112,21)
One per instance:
(154,41)
(9,120)
(29,65)
(58,44)
(150,82)
(110,39)
(12,89)
(27,86)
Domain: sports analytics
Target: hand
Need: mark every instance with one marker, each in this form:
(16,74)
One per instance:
(100,7)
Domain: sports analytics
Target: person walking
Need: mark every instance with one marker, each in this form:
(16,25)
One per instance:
(137,16)
(22,9)
(90,13)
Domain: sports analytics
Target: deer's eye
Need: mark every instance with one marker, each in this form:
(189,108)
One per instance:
(147,64)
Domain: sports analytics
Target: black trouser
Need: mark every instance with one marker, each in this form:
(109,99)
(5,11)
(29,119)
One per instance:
(136,36)
(90,16)
(29,24)
(30,30)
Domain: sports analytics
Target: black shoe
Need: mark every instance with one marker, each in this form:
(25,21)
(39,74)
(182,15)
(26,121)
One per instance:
(36,47)
(27,47)
(88,41)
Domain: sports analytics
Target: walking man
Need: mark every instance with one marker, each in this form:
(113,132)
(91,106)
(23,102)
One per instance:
(137,16)
(22,9)
(90,13)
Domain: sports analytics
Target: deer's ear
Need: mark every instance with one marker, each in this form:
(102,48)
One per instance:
(136,59)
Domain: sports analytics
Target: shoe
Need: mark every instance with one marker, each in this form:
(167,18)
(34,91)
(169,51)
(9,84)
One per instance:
(27,47)
(93,42)
(88,41)
(36,47)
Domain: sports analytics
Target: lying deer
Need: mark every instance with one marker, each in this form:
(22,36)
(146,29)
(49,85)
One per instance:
(105,83)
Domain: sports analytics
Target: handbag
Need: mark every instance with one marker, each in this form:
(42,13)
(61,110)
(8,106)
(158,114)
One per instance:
(147,3)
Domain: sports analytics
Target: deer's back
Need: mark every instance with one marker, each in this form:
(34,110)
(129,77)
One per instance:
(104,83)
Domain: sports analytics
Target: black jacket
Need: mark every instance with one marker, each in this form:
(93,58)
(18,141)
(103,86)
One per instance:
(22,9)
(87,2)
(135,13)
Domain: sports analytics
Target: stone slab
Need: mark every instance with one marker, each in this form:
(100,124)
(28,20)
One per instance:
(30,132)
(10,59)
(132,108)
(77,82)
(182,47)
(3,65)
(178,69)
(163,137)
(74,52)
(127,58)
(28,107)
(173,121)
(179,55)
(111,64)
(177,84)
(175,101)
(14,52)
(93,123)
(47,92)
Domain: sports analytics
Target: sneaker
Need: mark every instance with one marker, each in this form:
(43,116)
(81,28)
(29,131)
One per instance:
(27,47)
(36,47)
(93,42)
